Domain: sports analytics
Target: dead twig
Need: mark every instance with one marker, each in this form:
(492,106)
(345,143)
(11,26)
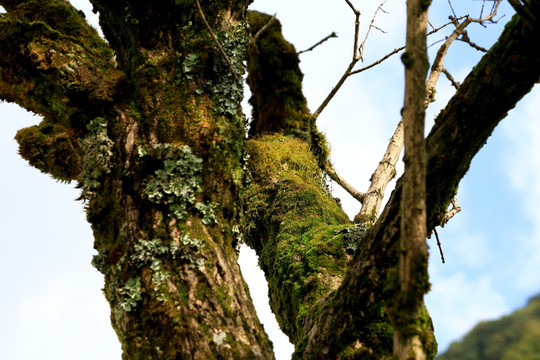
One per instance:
(357,55)
(395,51)
(438,66)
(263,29)
(216,41)
(450,78)
(439,245)
(362,48)
(344,184)
(450,213)
(332,35)
(473,45)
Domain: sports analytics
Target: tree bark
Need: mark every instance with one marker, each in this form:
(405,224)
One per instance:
(411,283)
(154,136)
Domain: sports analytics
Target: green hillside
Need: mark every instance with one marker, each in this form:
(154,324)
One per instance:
(513,337)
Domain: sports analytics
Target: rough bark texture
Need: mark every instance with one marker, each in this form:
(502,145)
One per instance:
(154,137)
(406,306)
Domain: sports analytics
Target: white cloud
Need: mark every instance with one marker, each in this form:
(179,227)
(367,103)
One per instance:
(457,303)
(522,167)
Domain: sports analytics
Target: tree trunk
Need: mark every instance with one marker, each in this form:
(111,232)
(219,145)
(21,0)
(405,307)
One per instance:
(155,139)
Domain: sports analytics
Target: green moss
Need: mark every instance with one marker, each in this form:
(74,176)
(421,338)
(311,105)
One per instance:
(52,149)
(275,81)
(296,227)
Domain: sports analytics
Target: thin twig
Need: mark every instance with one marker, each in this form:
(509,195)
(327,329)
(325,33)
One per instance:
(263,29)
(371,25)
(332,35)
(451,79)
(439,245)
(216,41)
(395,51)
(329,169)
(334,90)
(438,66)
(473,45)
(452,8)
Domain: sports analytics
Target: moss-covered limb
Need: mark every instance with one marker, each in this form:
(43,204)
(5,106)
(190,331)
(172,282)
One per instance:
(296,227)
(275,81)
(502,77)
(53,63)
(353,323)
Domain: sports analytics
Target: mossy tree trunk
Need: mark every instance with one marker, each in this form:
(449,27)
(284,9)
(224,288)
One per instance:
(149,125)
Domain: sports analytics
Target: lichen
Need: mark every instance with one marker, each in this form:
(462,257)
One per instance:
(177,182)
(97,148)
(130,294)
(228,90)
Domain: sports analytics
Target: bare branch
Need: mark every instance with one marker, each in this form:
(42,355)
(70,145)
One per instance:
(386,170)
(357,55)
(332,35)
(362,48)
(439,245)
(438,66)
(395,51)
(216,41)
(451,78)
(344,184)
(450,213)
(263,29)
(466,39)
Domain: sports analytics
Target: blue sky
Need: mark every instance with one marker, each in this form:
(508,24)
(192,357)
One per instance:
(52,306)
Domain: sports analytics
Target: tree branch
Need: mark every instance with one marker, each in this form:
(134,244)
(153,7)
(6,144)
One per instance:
(438,63)
(412,280)
(263,29)
(332,35)
(57,67)
(386,170)
(216,41)
(395,51)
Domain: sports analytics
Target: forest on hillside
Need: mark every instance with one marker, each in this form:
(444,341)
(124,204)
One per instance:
(512,337)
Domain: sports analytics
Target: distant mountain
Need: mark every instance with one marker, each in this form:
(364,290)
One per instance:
(513,337)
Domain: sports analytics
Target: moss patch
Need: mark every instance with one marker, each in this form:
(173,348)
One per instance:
(296,227)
